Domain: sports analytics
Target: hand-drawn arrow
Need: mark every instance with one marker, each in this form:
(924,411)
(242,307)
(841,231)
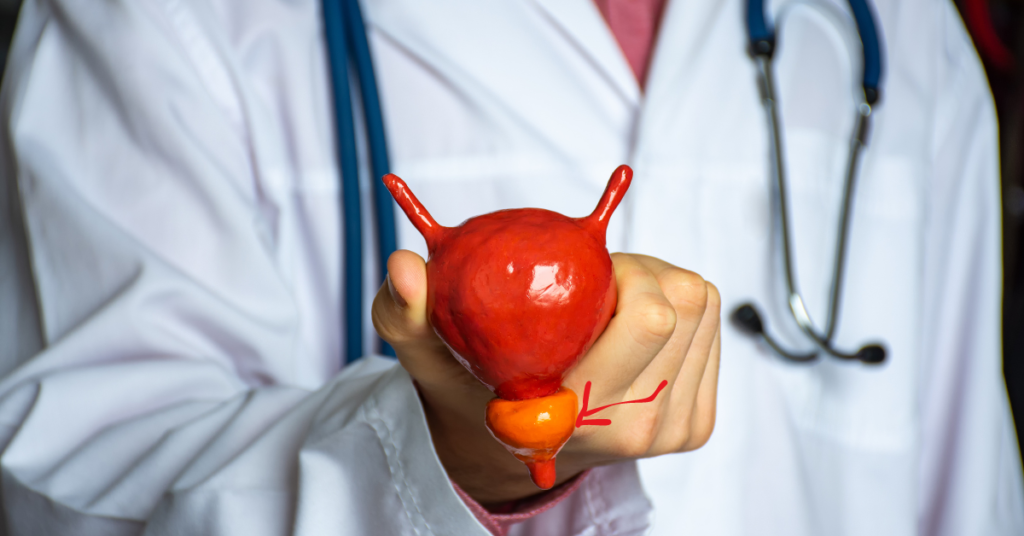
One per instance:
(580,421)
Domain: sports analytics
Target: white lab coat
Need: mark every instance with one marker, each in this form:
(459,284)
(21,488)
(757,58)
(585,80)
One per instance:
(176,172)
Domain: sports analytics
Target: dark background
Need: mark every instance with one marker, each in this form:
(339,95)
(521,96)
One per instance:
(8,14)
(997,27)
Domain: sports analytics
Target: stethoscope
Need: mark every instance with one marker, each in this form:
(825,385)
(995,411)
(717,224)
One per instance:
(762,47)
(349,55)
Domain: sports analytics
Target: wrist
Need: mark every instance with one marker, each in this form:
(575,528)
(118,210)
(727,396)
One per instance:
(473,459)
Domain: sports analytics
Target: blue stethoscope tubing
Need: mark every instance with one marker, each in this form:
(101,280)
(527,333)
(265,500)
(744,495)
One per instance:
(347,44)
(761,37)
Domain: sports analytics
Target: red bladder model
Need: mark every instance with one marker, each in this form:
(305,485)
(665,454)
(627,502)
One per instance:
(519,296)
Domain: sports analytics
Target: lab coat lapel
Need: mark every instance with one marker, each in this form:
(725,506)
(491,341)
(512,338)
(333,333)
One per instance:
(700,53)
(583,23)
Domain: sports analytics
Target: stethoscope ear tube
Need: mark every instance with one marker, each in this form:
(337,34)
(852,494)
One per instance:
(352,263)
(359,51)
(871,49)
(761,40)
(346,41)
(760,37)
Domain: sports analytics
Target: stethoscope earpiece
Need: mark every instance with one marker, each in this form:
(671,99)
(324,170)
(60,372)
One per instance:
(872,354)
(748,319)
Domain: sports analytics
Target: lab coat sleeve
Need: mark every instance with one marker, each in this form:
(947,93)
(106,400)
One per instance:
(970,470)
(164,399)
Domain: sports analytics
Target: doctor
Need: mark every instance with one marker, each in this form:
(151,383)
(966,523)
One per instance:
(173,166)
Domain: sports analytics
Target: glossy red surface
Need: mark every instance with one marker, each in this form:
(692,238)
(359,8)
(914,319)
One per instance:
(519,295)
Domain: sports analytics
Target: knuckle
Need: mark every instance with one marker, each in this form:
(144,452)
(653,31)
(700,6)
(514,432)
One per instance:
(714,297)
(681,439)
(632,272)
(685,289)
(697,438)
(657,319)
(698,430)
(676,276)
(676,436)
(639,438)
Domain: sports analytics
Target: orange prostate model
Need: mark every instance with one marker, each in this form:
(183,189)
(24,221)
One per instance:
(519,296)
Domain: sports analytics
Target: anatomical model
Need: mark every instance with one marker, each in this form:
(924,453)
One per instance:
(519,296)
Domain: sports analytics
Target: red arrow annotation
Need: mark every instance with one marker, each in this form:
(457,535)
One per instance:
(580,421)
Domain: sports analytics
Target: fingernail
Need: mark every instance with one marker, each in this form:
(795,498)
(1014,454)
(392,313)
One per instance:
(394,293)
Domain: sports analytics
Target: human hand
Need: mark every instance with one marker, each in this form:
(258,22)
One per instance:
(666,327)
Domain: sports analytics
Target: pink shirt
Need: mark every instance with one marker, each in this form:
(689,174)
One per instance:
(634,23)
(498,522)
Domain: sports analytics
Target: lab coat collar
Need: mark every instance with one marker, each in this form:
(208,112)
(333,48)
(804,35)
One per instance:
(692,33)
(583,23)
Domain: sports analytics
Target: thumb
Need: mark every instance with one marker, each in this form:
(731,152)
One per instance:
(400,308)
(400,313)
